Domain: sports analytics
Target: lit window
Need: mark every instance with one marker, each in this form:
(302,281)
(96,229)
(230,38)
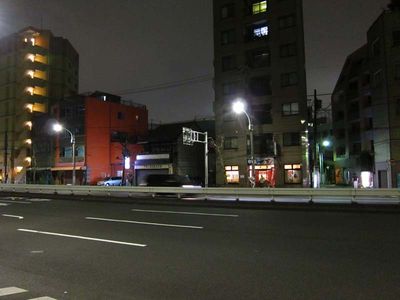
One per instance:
(260,31)
(293,174)
(259,7)
(232,174)
(30,90)
(30,73)
(30,57)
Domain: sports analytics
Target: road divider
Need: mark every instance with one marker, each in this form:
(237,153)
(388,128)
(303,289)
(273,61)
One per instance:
(81,237)
(144,223)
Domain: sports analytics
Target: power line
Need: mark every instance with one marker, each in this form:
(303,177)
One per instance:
(167,85)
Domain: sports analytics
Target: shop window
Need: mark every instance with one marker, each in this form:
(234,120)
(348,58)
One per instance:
(293,174)
(232,174)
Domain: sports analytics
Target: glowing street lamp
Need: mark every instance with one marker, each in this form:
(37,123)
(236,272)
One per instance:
(57,127)
(239,108)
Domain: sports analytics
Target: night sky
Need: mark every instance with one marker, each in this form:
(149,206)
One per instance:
(136,48)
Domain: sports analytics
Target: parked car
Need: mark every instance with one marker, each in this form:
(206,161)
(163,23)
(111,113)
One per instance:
(110,181)
(170,180)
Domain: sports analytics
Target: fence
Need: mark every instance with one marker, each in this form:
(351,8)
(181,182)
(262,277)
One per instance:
(328,195)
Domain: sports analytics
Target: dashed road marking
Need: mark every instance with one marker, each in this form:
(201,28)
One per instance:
(144,223)
(43,298)
(11,291)
(184,213)
(15,201)
(82,237)
(13,216)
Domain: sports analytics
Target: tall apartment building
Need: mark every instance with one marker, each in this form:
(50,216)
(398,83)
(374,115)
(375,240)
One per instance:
(259,58)
(36,70)
(366,106)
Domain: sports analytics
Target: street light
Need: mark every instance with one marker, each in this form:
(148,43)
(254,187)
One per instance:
(57,127)
(239,108)
(325,144)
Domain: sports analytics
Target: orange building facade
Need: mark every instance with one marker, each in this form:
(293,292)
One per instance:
(106,130)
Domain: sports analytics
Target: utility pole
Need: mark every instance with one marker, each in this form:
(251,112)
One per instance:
(316,173)
(5,155)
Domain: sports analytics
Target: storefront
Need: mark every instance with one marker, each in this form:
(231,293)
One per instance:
(293,174)
(232,174)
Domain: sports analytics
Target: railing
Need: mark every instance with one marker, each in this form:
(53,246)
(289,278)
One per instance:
(304,195)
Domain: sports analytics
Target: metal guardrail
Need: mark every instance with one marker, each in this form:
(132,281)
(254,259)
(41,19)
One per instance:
(239,194)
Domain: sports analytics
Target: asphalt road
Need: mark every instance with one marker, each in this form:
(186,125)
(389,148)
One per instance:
(100,250)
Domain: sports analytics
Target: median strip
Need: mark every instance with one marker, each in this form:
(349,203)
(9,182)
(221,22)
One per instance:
(81,237)
(184,213)
(144,223)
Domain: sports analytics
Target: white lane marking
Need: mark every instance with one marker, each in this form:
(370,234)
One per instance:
(184,213)
(43,298)
(11,291)
(81,237)
(144,223)
(39,200)
(13,216)
(37,251)
(15,201)
(4,204)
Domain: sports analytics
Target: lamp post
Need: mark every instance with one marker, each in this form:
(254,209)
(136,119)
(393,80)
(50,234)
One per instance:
(58,128)
(239,108)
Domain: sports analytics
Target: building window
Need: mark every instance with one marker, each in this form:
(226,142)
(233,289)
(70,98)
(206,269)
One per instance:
(262,113)
(398,107)
(228,37)
(340,151)
(227,11)
(291,139)
(293,174)
(230,143)
(259,7)
(397,71)
(260,86)
(288,50)
(396,38)
(228,63)
(356,149)
(290,109)
(260,31)
(256,31)
(376,48)
(378,78)
(232,174)
(287,21)
(288,79)
(229,88)
(258,58)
